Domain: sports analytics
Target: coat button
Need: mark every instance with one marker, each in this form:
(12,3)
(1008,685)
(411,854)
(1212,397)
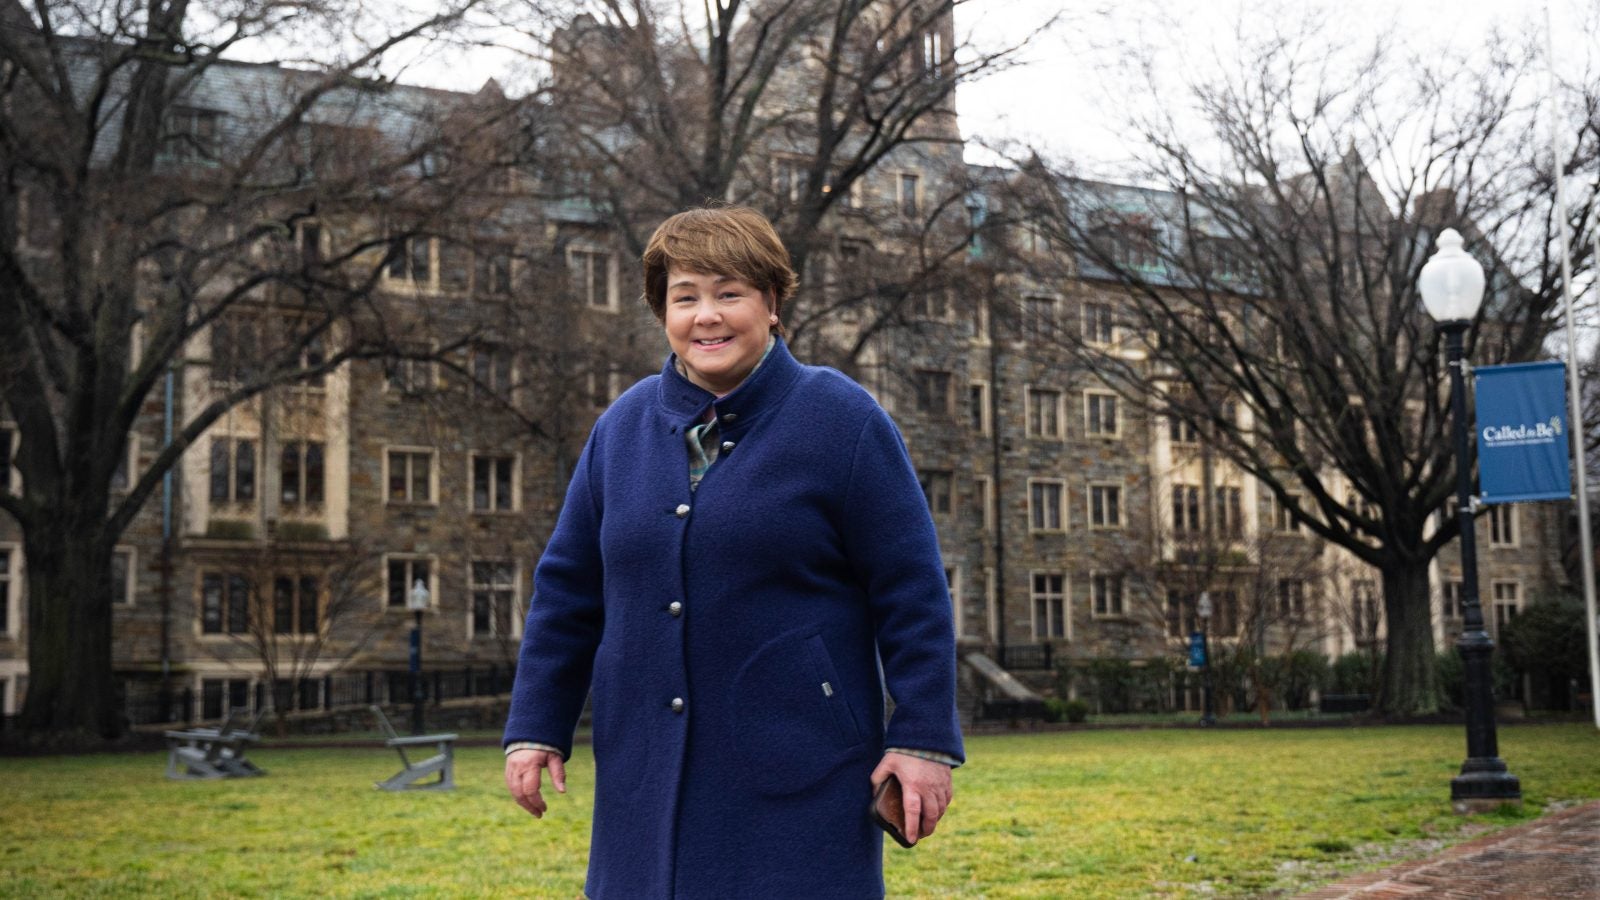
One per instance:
(677,704)
(675,608)
(730,418)
(682,511)
(726,446)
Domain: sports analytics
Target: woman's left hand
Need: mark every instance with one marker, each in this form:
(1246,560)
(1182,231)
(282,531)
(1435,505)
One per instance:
(925,786)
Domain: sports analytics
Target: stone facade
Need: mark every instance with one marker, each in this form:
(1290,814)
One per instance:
(1062,508)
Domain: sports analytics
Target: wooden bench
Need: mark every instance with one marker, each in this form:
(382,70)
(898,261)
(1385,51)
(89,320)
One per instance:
(441,763)
(212,752)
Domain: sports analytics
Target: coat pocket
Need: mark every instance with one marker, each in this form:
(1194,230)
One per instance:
(826,682)
(793,725)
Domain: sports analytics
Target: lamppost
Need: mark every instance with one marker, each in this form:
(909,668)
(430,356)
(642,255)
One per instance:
(1208,709)
(1452,288)
(416,601)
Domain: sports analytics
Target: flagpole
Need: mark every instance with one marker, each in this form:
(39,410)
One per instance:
(1574,381)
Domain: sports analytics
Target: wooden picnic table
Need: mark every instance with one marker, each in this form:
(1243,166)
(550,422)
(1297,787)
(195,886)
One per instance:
(210,753)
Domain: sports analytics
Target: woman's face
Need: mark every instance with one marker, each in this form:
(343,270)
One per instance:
(718,326)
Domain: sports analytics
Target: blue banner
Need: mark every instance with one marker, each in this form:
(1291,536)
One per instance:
(1523,444)
(1197,650)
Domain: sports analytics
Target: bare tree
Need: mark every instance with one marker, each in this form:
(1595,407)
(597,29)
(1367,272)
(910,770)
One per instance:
(1266,280)
(166,207)
(835,117)
(306,614)
(1266,587)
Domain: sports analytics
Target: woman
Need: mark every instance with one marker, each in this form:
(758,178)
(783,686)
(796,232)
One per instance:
(743,540)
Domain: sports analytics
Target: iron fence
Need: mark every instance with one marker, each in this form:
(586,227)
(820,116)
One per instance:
(1027,656)
(146,703)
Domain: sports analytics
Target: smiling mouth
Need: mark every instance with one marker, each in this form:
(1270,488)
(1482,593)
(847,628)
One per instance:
(712,343)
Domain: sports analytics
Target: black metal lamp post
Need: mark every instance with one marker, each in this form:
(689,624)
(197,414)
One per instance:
(417,601)
(1452,288)
(1208,709)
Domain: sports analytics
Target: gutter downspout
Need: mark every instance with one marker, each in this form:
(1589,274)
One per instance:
(166,558)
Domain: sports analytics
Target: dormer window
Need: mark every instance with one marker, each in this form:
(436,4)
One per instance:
(189,134)
(1224,259)
(1128,243)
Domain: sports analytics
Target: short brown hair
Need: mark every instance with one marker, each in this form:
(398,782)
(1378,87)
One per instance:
(724,240)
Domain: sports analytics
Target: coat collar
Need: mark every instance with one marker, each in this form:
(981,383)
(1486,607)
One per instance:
(685,402)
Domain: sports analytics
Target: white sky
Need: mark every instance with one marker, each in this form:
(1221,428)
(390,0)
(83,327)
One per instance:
(1069,99)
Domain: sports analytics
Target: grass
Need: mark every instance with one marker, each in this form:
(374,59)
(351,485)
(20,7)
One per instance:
(1167,812)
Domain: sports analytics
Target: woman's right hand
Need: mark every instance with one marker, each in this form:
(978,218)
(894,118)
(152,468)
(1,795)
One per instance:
(525,772)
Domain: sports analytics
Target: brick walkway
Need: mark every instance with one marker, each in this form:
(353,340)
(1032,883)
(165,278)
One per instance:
(1556,856)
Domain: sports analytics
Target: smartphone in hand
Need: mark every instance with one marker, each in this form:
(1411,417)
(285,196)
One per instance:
(889,811)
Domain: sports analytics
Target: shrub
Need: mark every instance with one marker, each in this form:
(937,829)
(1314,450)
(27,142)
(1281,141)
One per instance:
(1076,711)
(1153,689)
(1451,677)
(1356,672)
(1546,643)
(1298,674)
(1232,675)
(291,532)
(1507,681)
(1451,674)
(1055,709)
(1547,636)
(1064,678)
(1114,682)
(230,530)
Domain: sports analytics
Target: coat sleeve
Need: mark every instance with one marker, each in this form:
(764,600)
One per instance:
(890,538)
(565,617)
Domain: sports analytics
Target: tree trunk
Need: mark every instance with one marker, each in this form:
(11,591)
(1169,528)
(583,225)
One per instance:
(71,687)
(1409,686)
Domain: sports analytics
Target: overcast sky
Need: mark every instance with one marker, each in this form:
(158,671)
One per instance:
(1068,96)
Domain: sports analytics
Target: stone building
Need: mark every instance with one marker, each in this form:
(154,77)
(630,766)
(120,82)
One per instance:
(1075,524)
(1081,525)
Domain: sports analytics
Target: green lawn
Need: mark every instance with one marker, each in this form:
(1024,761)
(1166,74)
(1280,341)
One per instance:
(1091,813)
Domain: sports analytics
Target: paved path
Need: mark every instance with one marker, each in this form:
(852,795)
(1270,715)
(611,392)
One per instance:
(1555,856)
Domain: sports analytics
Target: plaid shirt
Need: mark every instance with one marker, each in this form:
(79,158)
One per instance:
(702,439)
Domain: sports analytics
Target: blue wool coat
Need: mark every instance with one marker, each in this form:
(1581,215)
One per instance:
(732,636)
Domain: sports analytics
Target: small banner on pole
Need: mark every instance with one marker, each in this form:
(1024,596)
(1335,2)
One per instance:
(1523,444)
